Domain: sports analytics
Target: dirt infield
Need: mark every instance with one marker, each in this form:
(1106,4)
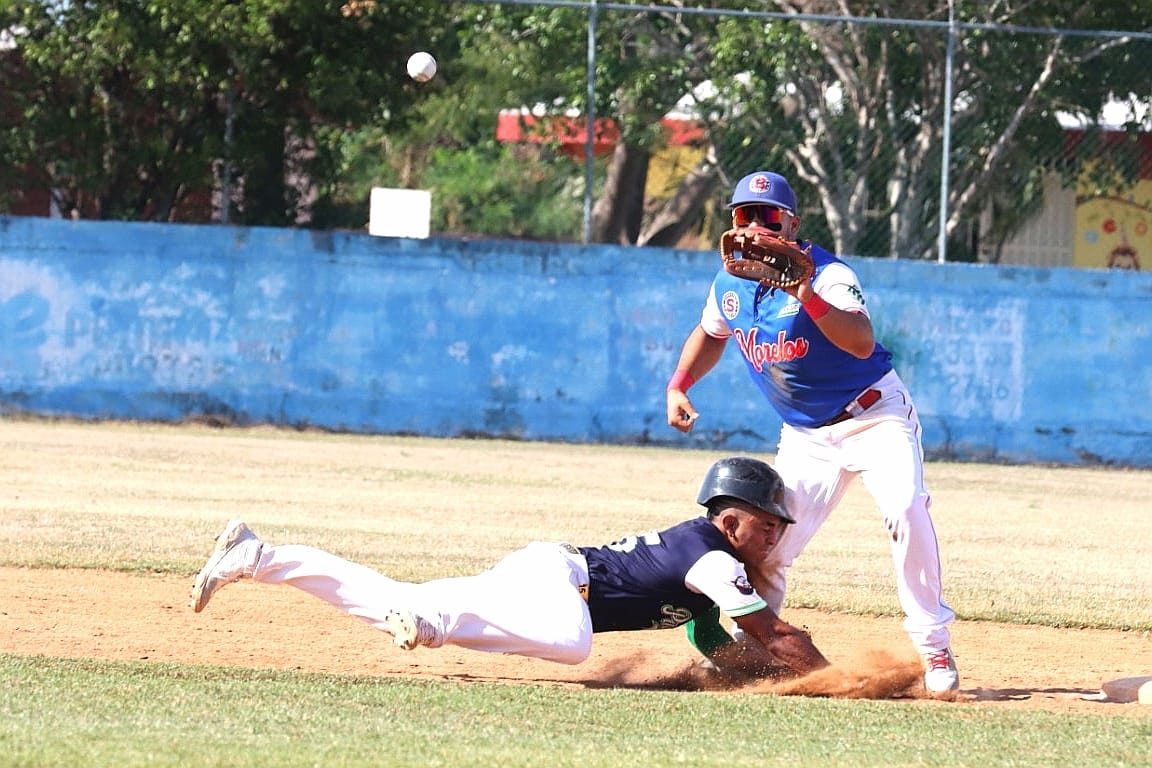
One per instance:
(106,615)
(81,495)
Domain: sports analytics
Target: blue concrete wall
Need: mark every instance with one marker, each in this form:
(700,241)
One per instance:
(534,341)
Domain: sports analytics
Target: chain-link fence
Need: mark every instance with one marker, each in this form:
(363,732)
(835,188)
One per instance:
(965,131)
(956,139)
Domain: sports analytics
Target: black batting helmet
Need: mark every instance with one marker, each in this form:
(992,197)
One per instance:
(747,479)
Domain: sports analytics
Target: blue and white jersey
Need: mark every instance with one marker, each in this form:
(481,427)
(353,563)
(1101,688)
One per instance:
(663,579)
(807,378)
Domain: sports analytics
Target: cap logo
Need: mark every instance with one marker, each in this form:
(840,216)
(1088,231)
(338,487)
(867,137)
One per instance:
(759,184)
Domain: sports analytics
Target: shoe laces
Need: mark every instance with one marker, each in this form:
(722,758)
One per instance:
(426,632)
(939,660)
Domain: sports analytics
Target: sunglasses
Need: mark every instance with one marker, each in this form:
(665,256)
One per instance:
(768,215)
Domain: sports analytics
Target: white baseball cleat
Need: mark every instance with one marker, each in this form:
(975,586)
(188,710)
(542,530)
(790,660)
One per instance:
(235,556)
(410,629)
(940,673)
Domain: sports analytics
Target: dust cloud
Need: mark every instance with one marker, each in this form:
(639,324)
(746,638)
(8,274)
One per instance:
(871,674)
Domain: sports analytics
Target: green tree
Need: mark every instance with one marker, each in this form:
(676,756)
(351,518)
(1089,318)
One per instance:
(124,108)
(855,113)
(645,63)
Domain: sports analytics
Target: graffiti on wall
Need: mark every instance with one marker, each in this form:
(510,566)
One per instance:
(533,341)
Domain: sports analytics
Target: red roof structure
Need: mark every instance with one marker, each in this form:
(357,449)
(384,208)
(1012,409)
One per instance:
(515,126)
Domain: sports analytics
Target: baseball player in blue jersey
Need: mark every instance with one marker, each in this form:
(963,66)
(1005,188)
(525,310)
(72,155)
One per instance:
(548,599)
(811,351)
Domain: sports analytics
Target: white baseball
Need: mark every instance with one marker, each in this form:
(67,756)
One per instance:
(421,66)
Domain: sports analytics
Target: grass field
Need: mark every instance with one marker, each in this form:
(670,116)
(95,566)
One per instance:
(1022,546)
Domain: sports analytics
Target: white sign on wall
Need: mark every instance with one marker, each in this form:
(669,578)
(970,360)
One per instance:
(399,212)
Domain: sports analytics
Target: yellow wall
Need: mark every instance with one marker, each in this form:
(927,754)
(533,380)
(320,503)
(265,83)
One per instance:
(668,167)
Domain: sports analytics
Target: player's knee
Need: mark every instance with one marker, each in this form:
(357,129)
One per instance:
(574,649)
(574,644)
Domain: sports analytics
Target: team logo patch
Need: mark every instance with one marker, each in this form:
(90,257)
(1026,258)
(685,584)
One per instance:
(759,184)
(730,304)
(742,585)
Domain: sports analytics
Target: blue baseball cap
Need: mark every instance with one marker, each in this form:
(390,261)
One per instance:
(765,188)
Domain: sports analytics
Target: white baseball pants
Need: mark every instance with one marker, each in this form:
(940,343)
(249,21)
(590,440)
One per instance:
(882,446)
(528,604)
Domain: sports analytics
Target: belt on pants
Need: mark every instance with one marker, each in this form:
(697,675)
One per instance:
(571,550)
(863,402)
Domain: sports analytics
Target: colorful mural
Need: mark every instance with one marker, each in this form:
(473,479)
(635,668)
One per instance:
(1115,232)
(1113,217)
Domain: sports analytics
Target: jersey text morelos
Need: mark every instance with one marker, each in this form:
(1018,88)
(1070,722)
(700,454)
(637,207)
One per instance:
(663,579)
(807,378)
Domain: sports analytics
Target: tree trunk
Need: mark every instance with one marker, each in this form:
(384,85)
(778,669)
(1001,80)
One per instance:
(265,197)
(618,212)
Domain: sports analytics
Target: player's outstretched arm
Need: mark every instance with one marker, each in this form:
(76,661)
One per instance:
(781,644)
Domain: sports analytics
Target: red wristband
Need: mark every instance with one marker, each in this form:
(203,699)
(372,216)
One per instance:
(816,307)
(681,380)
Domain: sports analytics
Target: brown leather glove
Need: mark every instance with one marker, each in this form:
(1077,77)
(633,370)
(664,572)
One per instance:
(757,253)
